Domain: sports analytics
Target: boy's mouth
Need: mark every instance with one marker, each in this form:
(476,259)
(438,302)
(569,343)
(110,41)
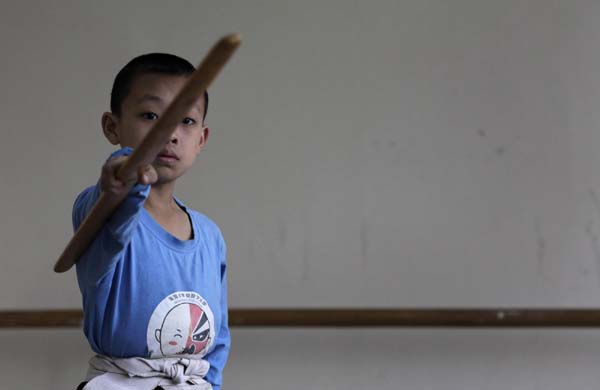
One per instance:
(167,157)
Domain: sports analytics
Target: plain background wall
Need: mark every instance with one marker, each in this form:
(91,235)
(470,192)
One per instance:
(401,153)
(383,153)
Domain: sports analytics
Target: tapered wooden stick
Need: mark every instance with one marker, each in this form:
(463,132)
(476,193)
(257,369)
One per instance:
(149,148)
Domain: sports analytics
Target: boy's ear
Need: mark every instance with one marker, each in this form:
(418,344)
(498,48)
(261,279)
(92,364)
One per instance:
(109,127)
(203,138)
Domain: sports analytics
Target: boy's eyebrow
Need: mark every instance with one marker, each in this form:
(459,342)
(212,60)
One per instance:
(160,101)
(150,97)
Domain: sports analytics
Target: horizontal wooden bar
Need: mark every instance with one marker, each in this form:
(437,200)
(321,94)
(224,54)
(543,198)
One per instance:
(342,318)
(416,317)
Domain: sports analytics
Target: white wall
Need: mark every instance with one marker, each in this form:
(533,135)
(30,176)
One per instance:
(382,153)
(414,153)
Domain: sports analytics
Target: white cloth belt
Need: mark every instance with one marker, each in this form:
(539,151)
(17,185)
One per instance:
(107,373)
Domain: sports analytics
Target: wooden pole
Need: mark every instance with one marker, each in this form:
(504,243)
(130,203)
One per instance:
(343,318)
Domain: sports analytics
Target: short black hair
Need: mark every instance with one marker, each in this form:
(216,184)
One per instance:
(158,63)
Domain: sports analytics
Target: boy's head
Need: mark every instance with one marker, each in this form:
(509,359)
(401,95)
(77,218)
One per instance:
(154,63)
(141,92)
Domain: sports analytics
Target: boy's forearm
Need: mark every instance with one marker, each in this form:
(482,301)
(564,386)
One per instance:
(123,221)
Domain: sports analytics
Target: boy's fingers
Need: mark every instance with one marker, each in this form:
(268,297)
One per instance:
(151,175)
(147,175)
(111,169)
(109,181)
(116,161)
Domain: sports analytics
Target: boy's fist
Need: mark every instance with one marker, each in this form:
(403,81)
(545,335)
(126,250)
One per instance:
(110,184)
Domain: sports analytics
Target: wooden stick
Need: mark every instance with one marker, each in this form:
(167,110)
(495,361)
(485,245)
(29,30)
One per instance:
(350,317)
(149,148)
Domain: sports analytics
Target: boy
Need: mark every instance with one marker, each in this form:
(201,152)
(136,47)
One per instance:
(153,282)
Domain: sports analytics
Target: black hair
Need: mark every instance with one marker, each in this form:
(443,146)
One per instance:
(158,63)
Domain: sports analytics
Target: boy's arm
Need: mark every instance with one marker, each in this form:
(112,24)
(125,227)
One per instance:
(218,356)
(117,232)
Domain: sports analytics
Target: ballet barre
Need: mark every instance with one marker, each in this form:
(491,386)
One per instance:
(346,317)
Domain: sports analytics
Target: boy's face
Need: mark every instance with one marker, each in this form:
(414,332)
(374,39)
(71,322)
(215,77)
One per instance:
(148,98)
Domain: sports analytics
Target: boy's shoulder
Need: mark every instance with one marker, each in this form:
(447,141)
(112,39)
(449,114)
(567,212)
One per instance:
(85,192)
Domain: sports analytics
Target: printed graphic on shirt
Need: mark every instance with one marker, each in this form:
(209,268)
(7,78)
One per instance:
(182,324)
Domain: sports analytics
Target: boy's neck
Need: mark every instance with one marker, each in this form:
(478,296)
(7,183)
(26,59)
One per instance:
(161,205)
(161,200)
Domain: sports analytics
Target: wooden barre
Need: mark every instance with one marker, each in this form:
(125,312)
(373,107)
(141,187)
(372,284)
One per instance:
(343,318)
(149,148)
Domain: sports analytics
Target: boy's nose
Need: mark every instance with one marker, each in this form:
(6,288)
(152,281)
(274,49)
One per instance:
(174,138)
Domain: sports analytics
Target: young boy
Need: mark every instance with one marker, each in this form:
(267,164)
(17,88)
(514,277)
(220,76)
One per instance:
(153,282)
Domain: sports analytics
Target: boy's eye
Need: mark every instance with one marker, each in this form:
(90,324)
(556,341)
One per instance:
(188,121)
(149,116)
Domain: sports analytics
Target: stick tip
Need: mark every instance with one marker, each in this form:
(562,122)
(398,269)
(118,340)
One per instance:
(63,264)
(232,39)
(59,269)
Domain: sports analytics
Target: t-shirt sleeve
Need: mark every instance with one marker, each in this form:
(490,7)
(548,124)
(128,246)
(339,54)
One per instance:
(106,249)
(218,356)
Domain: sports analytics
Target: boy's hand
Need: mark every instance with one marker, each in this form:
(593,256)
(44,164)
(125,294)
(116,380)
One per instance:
(110,184)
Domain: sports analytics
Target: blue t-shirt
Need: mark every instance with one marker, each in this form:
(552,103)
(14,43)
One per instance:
(148,294)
